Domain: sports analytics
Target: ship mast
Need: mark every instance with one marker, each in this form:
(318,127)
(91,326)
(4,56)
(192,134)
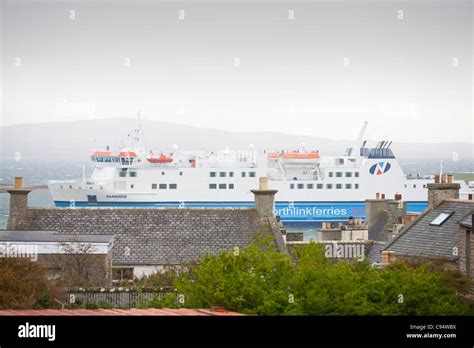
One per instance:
(359,142)
(136,132)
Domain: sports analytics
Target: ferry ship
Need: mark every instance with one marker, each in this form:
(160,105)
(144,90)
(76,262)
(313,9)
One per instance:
(311,186)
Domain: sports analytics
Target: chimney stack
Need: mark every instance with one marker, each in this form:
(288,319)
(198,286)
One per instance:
(397,210)
(443,188)
(18,205)
(264,199)
(388,257)
(373,207)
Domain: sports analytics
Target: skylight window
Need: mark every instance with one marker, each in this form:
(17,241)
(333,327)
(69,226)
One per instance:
(441,218)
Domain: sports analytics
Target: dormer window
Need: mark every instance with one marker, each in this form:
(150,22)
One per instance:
(441,218)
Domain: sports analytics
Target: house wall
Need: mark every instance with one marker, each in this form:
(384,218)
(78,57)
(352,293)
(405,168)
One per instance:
(465,235)
(93,269)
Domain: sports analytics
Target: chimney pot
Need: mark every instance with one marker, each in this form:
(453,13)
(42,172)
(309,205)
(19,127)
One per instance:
(450,179)
(377,195)
(437,181)
(398,197)
(263,183)
(383,195)
(18,182)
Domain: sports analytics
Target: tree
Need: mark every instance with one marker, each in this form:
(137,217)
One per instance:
(24,284)
(80,267)
(253,280)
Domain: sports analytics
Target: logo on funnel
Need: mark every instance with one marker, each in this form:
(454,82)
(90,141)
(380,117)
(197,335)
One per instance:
(379,168)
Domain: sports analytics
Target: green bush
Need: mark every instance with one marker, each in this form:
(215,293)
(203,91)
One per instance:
(258,280)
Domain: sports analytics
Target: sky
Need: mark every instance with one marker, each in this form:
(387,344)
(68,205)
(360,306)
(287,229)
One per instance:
(317,68)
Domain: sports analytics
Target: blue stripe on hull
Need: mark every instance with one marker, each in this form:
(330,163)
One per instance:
(294,211)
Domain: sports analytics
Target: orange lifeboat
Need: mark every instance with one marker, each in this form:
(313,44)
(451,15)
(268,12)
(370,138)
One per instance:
(159,159)
(297,155)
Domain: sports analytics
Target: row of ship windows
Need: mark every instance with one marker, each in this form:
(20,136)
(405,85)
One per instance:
(221,186)
(414,186)
(123,174)
(321,186)
(123,160)
(175,186)
(164,186)
(341,174)
(231,174)
(130,174)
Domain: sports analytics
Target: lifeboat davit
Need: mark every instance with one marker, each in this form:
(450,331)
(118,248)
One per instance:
(159,159)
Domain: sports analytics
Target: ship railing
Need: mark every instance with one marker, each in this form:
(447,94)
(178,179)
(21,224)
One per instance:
(64,181)
(419,177)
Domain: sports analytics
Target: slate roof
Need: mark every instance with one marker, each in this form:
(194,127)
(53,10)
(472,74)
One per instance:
(421,239)
(467,221)
(155,236)
(374,254)
(51,236)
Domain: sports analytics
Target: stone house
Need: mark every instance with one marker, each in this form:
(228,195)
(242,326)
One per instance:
(151,239)
(443,231)
(88,257)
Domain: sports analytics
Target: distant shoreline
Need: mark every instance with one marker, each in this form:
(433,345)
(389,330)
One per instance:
(5,187)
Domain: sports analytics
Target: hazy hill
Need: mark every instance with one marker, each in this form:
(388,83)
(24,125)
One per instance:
(75,140)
